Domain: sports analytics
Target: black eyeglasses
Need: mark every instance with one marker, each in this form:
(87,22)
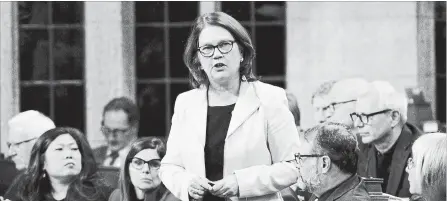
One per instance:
(108,131)
(299,157)
(16,144)
(224,47)
(364,118)
(331,107)
(138,163)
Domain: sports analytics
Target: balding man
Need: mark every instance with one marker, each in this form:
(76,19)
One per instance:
(320,102)
(24,129)
(342,99)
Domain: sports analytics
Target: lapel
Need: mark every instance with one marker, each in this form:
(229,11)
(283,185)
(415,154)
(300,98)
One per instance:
(247,103)
(399,160)
(199,110)
(344,187)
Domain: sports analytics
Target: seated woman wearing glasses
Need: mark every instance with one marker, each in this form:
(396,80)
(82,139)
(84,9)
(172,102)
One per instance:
(427,168)
(139,176)
(61,167)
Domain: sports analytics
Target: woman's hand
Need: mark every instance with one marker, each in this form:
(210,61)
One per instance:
(198,187)
(226,187)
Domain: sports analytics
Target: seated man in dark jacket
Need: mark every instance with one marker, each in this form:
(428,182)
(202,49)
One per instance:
(385,137)
(327,162)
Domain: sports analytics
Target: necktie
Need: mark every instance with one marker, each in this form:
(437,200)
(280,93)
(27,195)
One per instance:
(114,155)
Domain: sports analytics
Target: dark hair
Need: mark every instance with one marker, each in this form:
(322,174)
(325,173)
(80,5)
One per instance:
(293,107)
(125,104)
(126,186)
(36,187)
(336,141)
(196,75)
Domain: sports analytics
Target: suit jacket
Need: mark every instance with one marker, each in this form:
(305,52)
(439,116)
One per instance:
(100,154)
(398,184)
(261,132)
(162,193)
(288,194)
(353,189)
(7,176)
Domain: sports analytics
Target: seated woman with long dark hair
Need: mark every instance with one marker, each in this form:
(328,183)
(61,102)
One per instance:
(61,167)
(139,177)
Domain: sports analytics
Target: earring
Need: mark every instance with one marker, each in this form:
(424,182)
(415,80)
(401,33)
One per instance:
(44,174)
(242,59)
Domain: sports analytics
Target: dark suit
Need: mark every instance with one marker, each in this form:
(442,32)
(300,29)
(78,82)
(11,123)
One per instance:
(100,154)
(7,175)
(398,179)
(352,189)
(289,195)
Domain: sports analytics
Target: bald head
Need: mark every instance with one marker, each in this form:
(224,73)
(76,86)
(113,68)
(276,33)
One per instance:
(24,129)
(343,96)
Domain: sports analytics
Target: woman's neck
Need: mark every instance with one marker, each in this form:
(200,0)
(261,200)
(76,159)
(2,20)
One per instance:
(142,194)
(220,95)
(230,86)
(59,188)
(139,193)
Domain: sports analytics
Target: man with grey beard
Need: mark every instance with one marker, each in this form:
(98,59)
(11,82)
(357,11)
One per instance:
(327,163)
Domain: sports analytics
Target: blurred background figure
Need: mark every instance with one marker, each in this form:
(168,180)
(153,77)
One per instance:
(320,102)
(139,175)
(295,109)
(427,167)
(327,162)
(61,167)
(385,136)
(24,129)
(120,127)
(342,99)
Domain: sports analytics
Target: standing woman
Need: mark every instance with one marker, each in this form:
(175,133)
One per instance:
(61,168)
(231,134)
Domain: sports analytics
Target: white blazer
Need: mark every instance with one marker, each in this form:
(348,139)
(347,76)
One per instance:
(261,136)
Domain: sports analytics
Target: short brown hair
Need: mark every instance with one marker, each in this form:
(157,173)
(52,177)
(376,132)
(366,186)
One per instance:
(196,75)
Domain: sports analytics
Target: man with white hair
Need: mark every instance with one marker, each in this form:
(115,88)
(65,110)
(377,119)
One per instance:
(342,99)
(24,129)
(385,135)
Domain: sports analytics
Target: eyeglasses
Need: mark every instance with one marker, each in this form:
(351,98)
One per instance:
(364,118)
(328,110)
(299,157)
(410,163)
(109,131)
(16,144)
(138,163)
(208,50)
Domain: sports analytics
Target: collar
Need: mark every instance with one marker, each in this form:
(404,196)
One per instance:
(121,152)
(341,189)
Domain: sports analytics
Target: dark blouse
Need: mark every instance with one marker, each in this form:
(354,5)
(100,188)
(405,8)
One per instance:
(218,121)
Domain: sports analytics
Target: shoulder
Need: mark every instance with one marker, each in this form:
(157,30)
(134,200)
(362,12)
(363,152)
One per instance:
(13,191)
(413,131)
(269,94)
(268,89)
(169,196)
(359,192)
(115,195)
(187,96)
